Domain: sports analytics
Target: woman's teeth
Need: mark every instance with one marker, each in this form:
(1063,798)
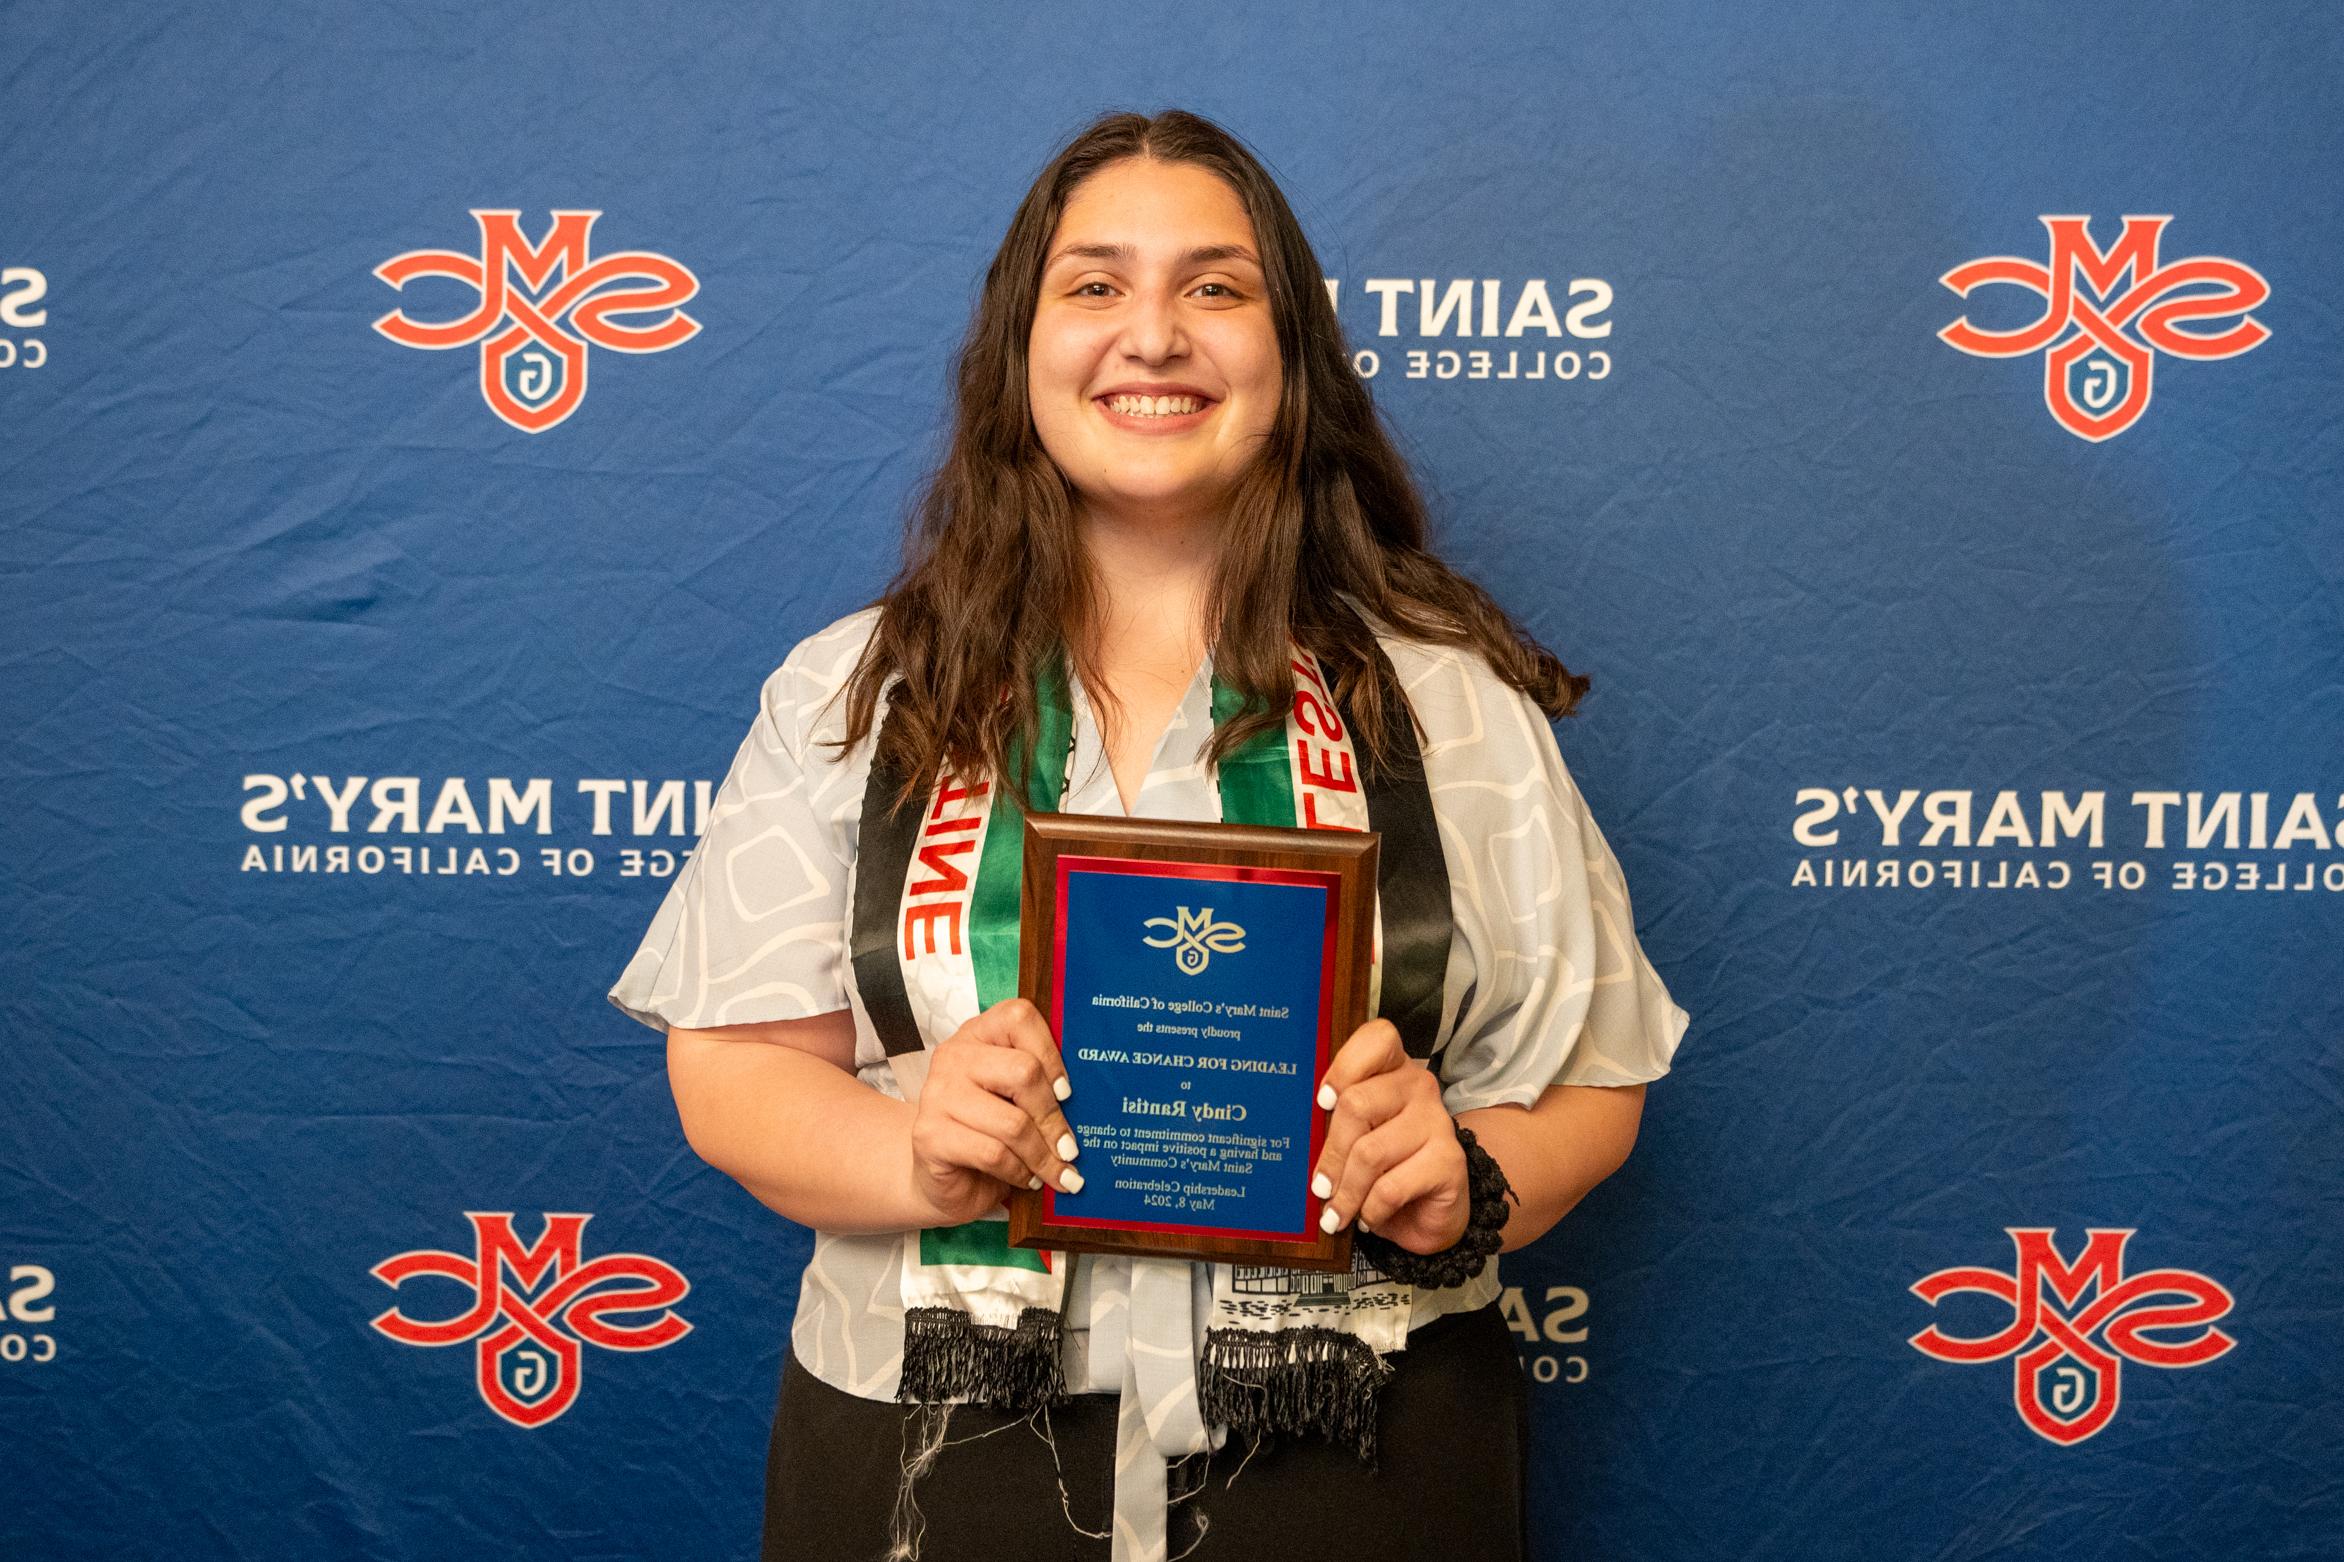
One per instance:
(1154,406)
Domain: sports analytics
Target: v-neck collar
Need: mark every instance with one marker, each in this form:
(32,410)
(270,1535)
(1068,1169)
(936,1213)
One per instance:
(1090,779)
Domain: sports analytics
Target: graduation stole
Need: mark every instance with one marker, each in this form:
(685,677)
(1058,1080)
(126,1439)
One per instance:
(935,942)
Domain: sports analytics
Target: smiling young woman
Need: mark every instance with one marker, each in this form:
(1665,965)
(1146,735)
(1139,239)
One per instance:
(1169,530)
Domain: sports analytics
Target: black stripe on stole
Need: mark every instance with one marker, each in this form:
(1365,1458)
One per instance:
(883,860)
(1412,877)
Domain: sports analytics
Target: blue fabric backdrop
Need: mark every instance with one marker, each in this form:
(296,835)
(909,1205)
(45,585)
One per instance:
(284,592)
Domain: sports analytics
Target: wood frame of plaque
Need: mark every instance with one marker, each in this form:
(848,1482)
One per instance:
(1344,861)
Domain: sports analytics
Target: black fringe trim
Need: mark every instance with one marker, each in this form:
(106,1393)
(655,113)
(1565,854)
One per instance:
(947,1357)
(1320,1381)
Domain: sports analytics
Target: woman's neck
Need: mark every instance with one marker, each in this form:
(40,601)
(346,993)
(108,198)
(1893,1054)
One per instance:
(1154,578)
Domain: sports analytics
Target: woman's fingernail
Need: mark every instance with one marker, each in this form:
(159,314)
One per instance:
(1326,1098)
(1364,1226)
(1067,1148)
(1320,1186)
(1034,1183)
(1070,1181)
(1061,1087)
(1329,1220)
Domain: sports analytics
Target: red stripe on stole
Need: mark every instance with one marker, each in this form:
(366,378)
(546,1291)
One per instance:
(1320,765)
(938,899)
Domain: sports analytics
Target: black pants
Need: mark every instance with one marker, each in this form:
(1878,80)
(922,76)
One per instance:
(1452,1449)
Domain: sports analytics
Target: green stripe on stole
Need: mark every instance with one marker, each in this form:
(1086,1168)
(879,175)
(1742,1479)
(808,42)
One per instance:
(1257,787)
(978,1242)
(1257,781)
(1000,871)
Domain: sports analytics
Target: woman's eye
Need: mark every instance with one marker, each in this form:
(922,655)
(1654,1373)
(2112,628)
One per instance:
(1226,290)
(1085,290)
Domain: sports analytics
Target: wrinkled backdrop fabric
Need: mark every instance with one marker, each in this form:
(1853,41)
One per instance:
(359,707)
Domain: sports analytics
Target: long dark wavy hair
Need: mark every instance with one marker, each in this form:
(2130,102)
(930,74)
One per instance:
(996,581)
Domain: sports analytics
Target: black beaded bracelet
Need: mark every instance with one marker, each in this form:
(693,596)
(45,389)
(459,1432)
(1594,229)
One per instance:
(1487,1191)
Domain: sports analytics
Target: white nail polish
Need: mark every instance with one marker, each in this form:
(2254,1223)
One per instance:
(1070,1181)
(1326,1098)
(1320,1186)
(1329,1220)
(1067,1148)
(1034,1183)
(1061,1087)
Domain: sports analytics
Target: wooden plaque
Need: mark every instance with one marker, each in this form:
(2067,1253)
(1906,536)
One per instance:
(1199,979)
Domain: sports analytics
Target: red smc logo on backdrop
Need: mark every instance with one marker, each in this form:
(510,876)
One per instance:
(534,387)
(2068,1387)
(526,1364)
(2106,315)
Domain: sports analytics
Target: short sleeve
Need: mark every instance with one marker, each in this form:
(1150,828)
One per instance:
(1555,988)
(754,926)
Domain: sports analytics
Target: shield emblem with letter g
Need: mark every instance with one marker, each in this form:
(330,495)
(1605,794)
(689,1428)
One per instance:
(2097,387)
(529,382)
(2063,1397)
(528,1375)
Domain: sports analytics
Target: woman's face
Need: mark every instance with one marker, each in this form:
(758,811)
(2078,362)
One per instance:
(1153,369)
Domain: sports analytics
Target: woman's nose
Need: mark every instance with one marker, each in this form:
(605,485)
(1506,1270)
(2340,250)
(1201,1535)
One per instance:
(1152,331)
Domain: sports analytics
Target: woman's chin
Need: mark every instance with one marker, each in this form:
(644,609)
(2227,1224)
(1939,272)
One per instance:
(1170,501)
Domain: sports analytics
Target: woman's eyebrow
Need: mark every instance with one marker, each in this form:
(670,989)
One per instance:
(1202,254)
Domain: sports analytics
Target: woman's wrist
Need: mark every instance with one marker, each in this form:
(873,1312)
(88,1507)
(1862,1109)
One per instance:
(1487,1193)
(910,1207)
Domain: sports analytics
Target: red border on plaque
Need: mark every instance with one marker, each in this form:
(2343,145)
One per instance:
(1323,1052)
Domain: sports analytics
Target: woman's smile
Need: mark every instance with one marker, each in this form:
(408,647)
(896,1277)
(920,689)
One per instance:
(1155,409)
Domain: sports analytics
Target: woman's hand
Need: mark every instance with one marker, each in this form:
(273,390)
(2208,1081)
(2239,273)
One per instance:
(1391,1155)
(987,1119)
